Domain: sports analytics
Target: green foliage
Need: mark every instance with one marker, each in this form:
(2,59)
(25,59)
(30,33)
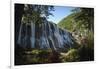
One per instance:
(80,21)
(70,24)
(45,56)
(35,52)
(36,12)
(86,50)
(36,56)
(86,16)
(90,40)
(67,22)
(40,57)
(71,56)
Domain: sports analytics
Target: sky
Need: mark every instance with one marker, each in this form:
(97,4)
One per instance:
(59,13)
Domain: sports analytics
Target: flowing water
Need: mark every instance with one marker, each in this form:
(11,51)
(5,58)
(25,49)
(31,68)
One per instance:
(44,35)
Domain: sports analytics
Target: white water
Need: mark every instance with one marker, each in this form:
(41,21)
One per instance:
(32,34)
(50,36)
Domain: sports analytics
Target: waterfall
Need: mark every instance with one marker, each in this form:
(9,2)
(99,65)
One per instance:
(44,35)
(32,34)
(19,37)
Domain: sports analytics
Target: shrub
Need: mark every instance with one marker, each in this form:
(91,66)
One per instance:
(86,50)
(71,56)
(39,56)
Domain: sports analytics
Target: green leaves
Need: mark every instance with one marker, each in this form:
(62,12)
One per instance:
(80,21)
(86,16)
(70,56)
(36,12)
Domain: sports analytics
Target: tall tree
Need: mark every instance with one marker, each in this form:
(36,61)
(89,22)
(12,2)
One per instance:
(85,16)
(37,11)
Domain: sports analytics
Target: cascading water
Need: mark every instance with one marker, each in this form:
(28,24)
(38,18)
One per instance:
(44,35)
(32,34)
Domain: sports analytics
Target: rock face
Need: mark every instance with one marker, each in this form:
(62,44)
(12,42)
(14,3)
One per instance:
(44,35)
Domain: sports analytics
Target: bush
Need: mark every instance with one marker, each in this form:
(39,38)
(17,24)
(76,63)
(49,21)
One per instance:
(39,56)
(71,56)
(86,50)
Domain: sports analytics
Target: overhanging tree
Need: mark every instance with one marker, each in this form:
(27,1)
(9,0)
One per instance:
(85,16)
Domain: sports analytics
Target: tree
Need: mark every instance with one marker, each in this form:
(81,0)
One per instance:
(85,16)
(37,12)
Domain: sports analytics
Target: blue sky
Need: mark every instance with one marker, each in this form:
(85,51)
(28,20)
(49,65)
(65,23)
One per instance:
(59,13)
